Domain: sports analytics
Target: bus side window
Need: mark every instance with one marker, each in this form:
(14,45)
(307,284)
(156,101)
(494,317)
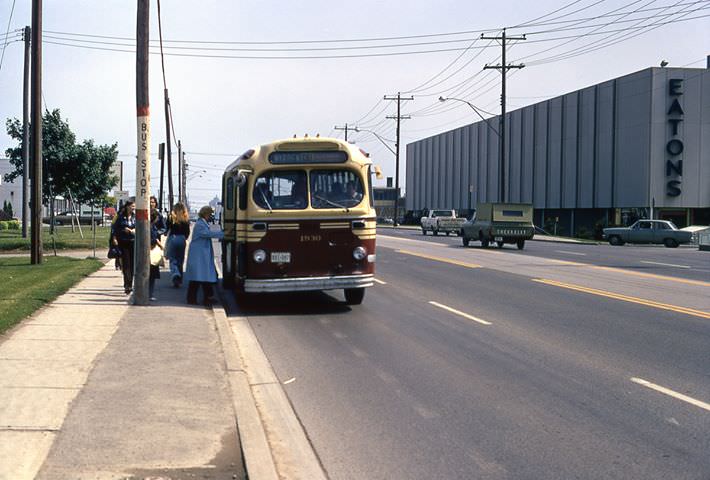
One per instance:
(230,193)
(370,173)
(243,190)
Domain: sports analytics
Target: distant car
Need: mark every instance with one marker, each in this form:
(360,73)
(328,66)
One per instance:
(648,231)
(66,218)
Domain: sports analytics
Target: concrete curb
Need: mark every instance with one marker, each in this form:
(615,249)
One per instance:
(255,448)
(274,442)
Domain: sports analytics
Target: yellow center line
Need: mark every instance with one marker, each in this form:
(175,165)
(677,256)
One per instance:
(440,259)
(458,312)
(671,393)
(626,298)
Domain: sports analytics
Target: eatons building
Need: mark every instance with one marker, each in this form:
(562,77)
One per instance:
(605,154)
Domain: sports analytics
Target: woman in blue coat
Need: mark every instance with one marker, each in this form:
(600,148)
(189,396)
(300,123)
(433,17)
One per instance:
(200,269)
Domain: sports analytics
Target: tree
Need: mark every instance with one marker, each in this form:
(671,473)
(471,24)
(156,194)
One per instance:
(83,169)
(94,171)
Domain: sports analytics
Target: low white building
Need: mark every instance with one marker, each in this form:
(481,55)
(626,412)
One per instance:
(11,192)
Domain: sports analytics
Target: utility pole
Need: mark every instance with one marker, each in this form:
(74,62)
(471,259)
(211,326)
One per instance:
(399,117)
(26,135)
(343,128)
(181,174)
(161,157)
(503,67)
(36,134)
(183,166)
(169,156)
(141,257)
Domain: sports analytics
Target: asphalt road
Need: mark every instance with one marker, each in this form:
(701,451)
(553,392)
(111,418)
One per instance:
(468,364)
(684,262)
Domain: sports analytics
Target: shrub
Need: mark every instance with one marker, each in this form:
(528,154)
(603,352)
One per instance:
(4,225)
(13,225)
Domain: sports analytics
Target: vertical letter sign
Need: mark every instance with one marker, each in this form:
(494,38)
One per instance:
(674,146)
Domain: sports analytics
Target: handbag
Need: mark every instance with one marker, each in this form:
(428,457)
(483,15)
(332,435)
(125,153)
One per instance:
(156,257)
(114,252)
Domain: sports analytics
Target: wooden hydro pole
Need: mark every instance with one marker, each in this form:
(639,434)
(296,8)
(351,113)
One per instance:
(142,242)
(36,136)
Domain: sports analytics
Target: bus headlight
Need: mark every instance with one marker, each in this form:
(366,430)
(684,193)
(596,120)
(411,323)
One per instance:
(259,256)
(359,253)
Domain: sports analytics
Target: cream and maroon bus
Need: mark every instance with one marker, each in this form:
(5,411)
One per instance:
(298,215)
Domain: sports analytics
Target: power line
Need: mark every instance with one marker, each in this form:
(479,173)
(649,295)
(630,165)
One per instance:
(564,7)
(9,20)
(361,55)
(639,30)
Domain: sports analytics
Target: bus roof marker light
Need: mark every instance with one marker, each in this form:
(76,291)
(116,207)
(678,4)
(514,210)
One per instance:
(247,155)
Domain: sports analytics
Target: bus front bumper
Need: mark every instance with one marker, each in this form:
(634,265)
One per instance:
(301,284)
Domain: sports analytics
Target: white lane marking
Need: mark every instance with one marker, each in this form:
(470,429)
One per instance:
(666,264)
(379,281)
(458,312)
(671,393)
(571,253)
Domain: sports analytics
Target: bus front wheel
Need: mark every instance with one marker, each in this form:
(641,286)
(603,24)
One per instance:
(354,296)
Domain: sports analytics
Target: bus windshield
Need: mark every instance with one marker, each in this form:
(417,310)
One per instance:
(335,189)
(281,190)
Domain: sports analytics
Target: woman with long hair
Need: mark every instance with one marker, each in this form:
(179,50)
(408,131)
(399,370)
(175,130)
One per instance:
(178,233)
(124,231)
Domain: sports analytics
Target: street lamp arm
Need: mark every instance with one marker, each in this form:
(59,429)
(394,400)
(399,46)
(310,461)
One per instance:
(378,138)
(442,99)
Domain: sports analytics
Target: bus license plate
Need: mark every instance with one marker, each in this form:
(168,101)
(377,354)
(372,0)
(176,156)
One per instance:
(280,257)
(499,239)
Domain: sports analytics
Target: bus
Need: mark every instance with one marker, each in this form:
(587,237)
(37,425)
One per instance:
(298,215)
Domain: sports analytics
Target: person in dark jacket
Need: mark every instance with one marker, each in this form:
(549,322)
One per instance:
(178,233)
(124,231)
(156,218)
(200,268)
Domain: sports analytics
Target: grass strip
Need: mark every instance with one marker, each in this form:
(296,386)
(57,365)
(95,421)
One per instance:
(64,239)
(27,288)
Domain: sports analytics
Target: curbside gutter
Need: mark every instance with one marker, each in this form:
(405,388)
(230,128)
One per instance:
(274,443)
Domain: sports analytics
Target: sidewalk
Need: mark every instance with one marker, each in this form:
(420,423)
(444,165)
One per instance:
(94,388)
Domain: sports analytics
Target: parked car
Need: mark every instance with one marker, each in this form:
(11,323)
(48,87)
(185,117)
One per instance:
(648,231)
(65,218)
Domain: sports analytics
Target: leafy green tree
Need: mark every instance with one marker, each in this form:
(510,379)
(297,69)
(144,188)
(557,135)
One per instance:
(82,169)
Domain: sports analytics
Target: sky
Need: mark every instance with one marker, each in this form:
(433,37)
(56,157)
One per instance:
(223,105)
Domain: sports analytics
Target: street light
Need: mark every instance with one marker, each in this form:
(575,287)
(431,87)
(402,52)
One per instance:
(195,174)
(501,160)
(357,129)
(474,108)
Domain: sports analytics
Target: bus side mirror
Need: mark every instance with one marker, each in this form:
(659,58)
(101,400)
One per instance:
(241,179)
(378,172)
